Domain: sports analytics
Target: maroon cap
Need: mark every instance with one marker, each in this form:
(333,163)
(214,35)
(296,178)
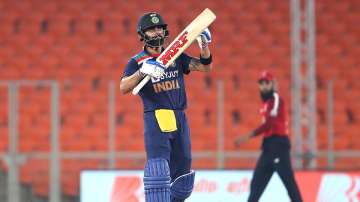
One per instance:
(265,75)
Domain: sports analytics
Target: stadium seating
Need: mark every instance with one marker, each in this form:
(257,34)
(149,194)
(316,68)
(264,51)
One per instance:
(85,44)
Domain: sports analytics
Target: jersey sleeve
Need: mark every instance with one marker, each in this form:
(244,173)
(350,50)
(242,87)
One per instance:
(130,68)
(268,122)
(185,63)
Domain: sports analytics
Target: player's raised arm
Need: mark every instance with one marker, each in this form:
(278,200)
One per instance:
(203,63)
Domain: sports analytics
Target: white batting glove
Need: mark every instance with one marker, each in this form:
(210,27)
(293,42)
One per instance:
(152,68)
(204,38)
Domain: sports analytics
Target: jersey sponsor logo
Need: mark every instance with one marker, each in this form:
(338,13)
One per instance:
(166,75)
(170,84)
(174,48)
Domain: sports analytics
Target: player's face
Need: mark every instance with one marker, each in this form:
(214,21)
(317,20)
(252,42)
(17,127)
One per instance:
(154,32)
(265,86)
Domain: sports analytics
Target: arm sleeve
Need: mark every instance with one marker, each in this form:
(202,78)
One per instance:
(265,126)
(130,68)
(268,123)
(185,63)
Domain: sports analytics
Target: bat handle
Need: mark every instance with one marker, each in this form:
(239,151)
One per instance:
(140,85)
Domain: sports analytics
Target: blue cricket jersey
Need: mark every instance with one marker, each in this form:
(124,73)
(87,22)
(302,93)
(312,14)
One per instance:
(168,92)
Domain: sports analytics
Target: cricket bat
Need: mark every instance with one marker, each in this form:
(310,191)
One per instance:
(181,43)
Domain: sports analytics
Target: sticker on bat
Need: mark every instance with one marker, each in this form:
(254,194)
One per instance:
(171,52)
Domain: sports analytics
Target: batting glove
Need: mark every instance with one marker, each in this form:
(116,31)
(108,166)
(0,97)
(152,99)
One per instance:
(204,38)
(152,68)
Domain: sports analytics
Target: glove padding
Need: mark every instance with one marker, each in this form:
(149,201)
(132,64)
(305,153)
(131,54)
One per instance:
(204,38)
(152,68)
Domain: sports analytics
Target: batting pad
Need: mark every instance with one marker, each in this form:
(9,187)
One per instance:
(182,187)
(157,180)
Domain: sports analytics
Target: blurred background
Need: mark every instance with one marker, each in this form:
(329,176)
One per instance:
(61,111)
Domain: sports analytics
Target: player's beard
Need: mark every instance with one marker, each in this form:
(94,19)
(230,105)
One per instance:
(156,41)
(266,95)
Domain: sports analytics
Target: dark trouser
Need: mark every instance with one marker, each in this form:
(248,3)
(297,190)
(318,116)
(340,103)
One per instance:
(275,157)
(174,146)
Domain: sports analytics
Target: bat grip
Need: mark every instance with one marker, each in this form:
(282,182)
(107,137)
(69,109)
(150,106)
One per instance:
(140,85)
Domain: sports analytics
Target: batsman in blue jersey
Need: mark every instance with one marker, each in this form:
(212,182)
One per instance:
(167,174)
